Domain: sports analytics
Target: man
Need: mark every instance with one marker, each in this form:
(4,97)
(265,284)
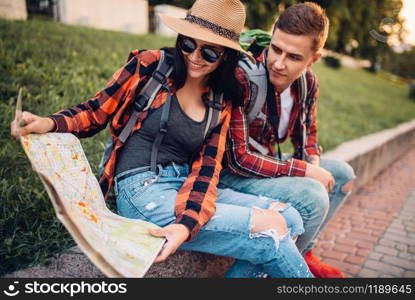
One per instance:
(316,188)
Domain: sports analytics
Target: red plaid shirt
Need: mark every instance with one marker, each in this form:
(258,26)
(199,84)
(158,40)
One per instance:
(195,202)
(245,160)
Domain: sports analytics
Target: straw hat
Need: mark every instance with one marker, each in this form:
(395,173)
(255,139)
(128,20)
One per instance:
(214,21)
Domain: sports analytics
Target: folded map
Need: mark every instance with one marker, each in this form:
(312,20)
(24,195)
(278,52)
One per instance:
(118,246)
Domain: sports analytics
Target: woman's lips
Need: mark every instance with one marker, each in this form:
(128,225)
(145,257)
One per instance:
(194,66)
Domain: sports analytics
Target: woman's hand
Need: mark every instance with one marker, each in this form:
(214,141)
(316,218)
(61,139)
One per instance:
(175,234)
(32,124)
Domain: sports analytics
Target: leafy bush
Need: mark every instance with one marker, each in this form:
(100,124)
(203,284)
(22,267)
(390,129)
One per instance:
(412,92)
(332,61)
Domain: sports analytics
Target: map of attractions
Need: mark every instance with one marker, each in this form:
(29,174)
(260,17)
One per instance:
(118,246)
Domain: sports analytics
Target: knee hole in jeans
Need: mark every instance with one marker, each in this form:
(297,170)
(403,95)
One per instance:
(277,206)
(348,186)
(265,219)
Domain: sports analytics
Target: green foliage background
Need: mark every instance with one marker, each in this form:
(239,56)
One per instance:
(349,20)
(357,28)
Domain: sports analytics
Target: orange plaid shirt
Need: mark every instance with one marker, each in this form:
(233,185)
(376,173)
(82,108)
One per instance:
(195,202)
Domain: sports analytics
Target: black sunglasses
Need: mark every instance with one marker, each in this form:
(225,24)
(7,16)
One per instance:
(209,54)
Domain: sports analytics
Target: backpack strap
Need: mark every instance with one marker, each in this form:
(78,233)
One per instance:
(257,76)
(162,130)
(258,86)
(145,98)
(273,116)
(214,111)
(261,149)
(304,113)
(142,102)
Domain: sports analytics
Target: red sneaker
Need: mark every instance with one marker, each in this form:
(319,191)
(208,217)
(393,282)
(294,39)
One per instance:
(320,269)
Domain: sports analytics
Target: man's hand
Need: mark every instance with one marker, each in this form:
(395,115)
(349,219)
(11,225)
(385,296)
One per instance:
(32,124)
(320,175)
(313,159)
(175,234)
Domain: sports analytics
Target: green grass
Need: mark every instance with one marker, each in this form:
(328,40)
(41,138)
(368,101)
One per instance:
(355,103)
(60,66)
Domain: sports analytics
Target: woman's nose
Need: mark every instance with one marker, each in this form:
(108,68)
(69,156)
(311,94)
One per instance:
(195,55)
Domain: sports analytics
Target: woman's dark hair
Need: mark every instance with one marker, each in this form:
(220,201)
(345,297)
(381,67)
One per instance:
(222,80)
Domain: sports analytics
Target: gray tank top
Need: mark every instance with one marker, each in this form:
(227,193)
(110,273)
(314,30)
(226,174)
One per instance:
(184,137)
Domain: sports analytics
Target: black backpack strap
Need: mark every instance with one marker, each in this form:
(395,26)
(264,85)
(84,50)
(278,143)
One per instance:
(302,82)
(162,130)
(273,115)
(145,98)
(215,108)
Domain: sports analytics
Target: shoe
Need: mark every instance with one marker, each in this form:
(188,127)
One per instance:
(320,269)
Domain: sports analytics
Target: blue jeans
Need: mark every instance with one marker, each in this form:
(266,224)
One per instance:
(151,197)
(308,196)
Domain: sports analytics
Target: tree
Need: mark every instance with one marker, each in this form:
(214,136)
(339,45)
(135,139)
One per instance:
(367,24)
(401,64)
(260,14)
(370,23)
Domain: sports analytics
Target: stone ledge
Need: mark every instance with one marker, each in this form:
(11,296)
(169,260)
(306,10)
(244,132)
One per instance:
(74,264)
(368,156)
(371,154)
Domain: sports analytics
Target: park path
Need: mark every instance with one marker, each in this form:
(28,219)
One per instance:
(373,234)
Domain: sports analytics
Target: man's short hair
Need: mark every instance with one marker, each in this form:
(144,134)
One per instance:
(305,18)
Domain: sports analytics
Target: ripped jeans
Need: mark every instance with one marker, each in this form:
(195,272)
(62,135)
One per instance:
(308,196)
(151,197)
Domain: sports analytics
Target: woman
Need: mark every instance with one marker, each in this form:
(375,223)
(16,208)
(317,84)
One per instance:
(160,186)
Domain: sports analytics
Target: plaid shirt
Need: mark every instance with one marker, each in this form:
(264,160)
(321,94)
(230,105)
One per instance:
(195,202)
(244,160)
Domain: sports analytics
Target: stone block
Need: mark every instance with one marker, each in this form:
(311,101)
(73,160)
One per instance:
(130,16)
(13,9)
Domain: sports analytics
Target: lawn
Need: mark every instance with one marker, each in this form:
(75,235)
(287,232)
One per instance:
(60,65)
(355,103)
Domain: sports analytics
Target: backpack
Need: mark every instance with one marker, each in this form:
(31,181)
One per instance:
(255,41)
(143,101)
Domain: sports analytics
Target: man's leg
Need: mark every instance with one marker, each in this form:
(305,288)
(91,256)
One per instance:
(293,192)
(343,175)
(250,235)
(307,196)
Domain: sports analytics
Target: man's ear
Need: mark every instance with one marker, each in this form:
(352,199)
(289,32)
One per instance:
(316,57)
